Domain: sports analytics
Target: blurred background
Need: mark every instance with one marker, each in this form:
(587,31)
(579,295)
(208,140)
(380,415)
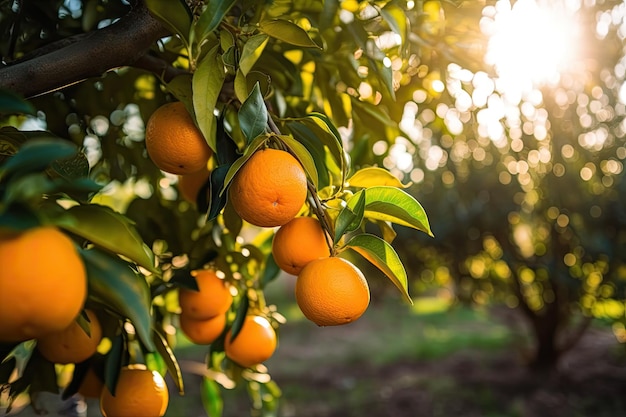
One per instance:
(510,128)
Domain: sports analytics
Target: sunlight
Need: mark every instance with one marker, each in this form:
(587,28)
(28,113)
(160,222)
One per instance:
(531,42)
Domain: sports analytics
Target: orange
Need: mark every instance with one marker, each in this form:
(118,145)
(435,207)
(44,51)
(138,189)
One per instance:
(174,142)
(255,342)
(43,284)
(140,392)
(189,185)
(269,189)
(212,299)
(72,344)
(299,242)
(332,291)
(202,332)
(92,385)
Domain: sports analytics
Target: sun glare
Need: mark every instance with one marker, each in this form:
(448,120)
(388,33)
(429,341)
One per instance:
(532,41)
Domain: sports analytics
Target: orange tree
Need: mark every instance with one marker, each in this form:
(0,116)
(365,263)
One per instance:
(313,82)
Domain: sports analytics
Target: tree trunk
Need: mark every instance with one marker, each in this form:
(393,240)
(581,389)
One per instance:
(545,328)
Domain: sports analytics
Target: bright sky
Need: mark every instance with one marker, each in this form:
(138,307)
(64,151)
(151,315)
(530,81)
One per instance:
(532,42)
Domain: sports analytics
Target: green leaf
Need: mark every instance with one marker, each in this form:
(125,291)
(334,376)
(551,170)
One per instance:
(396,206)
(385,75)
(212,398)
(11,103)
(270,271)
(180,87)
(29,188)
(241,86)
(37,154)
(325,132)
(252,50)
(240,317)
(351,216)
(303,155)
(104,227)
(386,230)
(217,200)
(374,176)
(371,112)
(75,167)
(288,32)
(115,284)
(227,151)
(207,83)
(113,362)
(168,356)
(253,115)
(396,19)
(251,149)
(174,14)
(211,17)
(331,138)
(229,58)
(382,255)
(315,148)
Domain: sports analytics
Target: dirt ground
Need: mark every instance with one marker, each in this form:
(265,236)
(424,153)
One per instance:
(590,381)
(326,374)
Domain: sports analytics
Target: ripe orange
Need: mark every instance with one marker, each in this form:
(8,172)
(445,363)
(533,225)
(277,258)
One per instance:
(299,242)
(189,185)
(269,189)
(174,142)
(255,342)
(72,344)
(332,291)
(43,284)
(212,299)
(202,332)
(139,392)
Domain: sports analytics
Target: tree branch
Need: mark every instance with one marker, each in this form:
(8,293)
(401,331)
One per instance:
(118,45)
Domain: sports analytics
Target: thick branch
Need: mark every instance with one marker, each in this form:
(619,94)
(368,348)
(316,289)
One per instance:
(114,46)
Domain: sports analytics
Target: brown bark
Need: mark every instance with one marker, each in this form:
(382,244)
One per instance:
(89,55)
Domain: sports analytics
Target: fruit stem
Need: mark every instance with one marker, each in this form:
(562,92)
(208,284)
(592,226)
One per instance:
(321,215)
(317,204)
(272,125)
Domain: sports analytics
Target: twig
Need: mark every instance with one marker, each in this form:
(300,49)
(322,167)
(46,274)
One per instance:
(318,207)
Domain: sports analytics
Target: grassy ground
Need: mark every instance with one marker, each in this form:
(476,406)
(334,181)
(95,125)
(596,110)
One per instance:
(424,360)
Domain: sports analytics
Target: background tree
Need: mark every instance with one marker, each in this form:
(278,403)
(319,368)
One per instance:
(525,195)
(252,76)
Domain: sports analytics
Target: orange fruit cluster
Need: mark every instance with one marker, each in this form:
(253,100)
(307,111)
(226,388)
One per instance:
(269,189)
(139,392)
(43,283)
(203,319)
(203,312)
(330,291)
